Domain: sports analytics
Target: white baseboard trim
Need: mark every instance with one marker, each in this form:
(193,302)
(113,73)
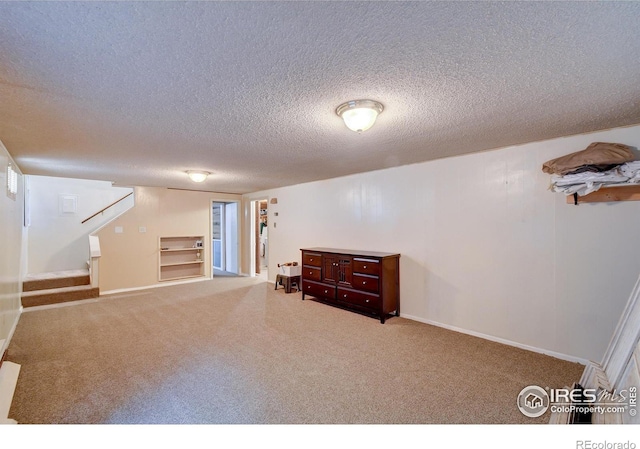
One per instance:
(4,344)
(557,355)
(164,284)
(9,372)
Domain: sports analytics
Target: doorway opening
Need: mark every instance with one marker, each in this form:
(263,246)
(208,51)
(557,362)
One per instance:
(260,238)
(224,236)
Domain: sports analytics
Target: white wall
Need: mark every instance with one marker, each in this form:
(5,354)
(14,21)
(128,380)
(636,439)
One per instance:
(486,247)
(130,258)
(57,240)
(11,251)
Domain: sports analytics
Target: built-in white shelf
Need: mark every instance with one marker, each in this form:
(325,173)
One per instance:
(180,257)
(181,263)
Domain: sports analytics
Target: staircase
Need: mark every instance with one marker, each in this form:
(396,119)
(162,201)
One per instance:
(616,379)
(57,287)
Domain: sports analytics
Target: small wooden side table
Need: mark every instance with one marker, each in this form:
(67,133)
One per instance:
(288,282)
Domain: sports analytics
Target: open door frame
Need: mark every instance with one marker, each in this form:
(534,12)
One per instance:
(256,226)
(235,243)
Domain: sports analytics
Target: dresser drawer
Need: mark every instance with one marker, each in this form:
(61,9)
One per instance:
(318,290)
(361,299)
(312,273)
(366,266)
(368,283)
(313,259)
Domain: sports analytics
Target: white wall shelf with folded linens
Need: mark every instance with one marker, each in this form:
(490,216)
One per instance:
(180,257)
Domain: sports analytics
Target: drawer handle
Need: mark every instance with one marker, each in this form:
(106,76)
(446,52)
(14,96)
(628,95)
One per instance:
(364,266)
(364,282)
(367,300)
(310,272)
(345,295)
(326,292)
(311,259)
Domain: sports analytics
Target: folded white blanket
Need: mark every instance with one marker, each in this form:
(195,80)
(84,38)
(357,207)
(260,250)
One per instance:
(632,171)
(587,182)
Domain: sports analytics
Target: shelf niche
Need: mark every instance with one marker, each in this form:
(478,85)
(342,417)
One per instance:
(180,257)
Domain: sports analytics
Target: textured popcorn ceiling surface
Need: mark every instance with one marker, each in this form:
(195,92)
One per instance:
(139,92)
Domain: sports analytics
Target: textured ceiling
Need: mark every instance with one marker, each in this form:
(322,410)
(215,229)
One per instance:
(139,92)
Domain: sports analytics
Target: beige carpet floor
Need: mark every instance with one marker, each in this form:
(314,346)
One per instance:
(234,351)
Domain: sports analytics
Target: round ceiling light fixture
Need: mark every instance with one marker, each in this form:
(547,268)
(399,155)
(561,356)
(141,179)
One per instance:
(198,176)
(359,115)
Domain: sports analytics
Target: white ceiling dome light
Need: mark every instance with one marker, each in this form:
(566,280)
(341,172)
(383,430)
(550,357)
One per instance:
(359,115)
(198,176)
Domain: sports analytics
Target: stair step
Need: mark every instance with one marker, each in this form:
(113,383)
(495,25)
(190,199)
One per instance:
(57,279)
(58,295)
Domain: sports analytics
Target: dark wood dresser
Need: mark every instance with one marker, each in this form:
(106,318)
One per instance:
(363,281)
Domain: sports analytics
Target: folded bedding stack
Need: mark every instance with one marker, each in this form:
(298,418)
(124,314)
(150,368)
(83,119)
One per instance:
(600,164)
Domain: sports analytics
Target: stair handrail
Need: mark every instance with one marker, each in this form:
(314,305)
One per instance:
(107,207)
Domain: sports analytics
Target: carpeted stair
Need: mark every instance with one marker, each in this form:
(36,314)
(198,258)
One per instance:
(56,287)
